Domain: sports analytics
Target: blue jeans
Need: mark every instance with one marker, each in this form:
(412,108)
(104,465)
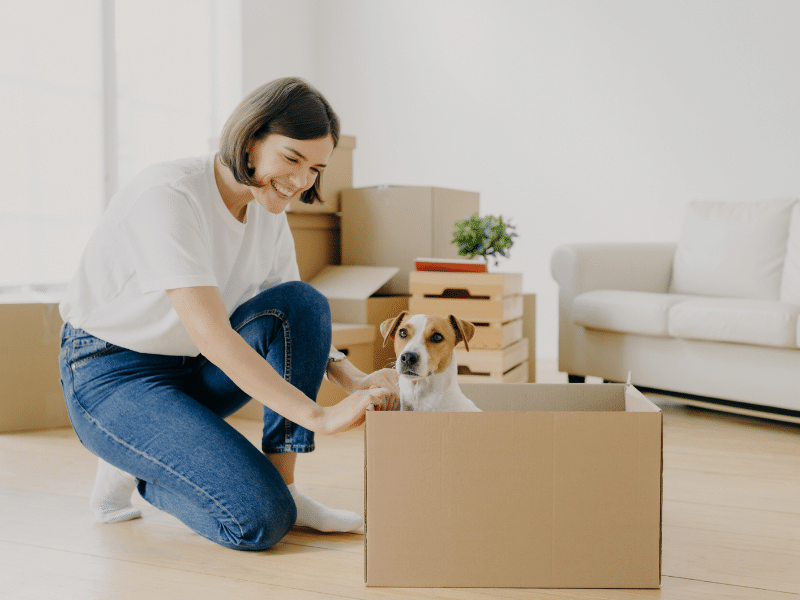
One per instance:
(161,418)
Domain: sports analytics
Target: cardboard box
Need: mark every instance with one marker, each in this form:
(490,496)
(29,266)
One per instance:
(554,486)
(356,341)
(392,226)
(317,242)
(353,295)
(338,176)
(30,390)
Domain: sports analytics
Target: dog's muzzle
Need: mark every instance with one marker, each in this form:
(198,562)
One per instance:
(408,363)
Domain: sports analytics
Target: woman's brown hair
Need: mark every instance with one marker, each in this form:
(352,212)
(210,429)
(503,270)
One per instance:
(289,107)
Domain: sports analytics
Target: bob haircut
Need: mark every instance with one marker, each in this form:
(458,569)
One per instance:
(289,107)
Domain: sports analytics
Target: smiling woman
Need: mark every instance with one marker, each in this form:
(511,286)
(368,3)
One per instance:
(187,304)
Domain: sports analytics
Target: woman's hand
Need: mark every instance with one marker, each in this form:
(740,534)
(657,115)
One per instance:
(383,378)
(351,412)
(350,379)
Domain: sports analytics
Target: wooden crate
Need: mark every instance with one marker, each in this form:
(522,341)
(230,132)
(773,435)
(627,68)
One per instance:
(494,302)
(439,283)
(492,365)
(488,298)
(494,336)
(519,374)
(497,311)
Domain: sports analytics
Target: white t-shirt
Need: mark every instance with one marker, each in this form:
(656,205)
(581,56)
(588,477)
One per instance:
(169,228)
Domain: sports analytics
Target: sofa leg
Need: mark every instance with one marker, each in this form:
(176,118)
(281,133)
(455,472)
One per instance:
(576,378)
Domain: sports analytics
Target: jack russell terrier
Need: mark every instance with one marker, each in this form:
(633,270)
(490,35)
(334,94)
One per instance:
(426,365)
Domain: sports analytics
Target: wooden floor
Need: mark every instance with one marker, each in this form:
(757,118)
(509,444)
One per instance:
(731,525)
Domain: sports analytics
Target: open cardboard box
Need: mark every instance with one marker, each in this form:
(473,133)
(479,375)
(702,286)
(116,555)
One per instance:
(553,486)
(352,293)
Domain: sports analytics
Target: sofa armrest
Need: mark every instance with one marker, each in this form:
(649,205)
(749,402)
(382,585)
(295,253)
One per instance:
(579,268)
(643,267)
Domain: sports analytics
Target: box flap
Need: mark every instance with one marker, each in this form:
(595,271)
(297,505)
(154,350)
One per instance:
(352,282)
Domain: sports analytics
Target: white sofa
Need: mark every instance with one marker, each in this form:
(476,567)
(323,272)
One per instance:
(714,315)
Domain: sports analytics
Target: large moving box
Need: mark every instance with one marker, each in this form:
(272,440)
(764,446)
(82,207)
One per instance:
(554,486)
(394,225)
(30,391)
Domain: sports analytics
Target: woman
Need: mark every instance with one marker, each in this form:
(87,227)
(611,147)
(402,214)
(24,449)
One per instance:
(186,304)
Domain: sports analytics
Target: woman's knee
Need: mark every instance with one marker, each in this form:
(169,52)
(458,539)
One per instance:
(295,300)
(265,527)
(305,300)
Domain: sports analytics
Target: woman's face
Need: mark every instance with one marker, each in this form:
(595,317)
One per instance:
(286,167)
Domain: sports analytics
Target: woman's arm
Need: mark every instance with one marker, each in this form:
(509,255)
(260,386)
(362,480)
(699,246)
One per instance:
(203,314)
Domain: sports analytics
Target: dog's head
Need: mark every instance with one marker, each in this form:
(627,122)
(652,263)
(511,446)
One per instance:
(424,344)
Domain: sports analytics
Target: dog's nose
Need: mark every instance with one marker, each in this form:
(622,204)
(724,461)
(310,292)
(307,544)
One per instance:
(409,359)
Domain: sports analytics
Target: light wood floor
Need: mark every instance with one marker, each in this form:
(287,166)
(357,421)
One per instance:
(731,525)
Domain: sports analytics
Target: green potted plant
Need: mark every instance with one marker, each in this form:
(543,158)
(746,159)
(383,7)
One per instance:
(489,237)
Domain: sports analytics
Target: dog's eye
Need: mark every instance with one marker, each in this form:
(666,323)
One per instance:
(403,333)
(437,337)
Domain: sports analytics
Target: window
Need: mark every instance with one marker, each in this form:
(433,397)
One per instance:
(171,72)
(51,130)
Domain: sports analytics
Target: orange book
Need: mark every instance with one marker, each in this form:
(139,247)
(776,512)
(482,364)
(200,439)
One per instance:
(452,265)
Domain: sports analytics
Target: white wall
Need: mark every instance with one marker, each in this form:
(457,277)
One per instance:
(581,120)
(278,40)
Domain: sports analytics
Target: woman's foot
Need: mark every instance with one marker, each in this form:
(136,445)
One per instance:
(311,513)
(111,497)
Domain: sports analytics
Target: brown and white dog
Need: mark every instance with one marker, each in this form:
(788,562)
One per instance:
(426,365)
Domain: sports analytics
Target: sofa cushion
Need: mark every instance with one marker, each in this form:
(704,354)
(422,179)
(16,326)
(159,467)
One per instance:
(624,311)
(760,322)
(732,249)
(790,283)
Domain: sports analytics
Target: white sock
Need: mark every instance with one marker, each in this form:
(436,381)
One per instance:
(311,513)
(111,497)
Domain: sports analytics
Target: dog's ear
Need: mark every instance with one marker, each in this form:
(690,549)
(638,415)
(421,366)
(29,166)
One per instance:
(464,330)
(389,326)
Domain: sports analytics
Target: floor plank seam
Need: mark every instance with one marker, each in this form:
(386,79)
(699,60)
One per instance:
(734,585)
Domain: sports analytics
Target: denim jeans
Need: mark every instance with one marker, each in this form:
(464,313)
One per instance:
(161,418)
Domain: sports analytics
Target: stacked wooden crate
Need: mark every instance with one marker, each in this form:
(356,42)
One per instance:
(493,302)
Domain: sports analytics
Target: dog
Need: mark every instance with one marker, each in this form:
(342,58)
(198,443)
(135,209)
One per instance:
(426,364)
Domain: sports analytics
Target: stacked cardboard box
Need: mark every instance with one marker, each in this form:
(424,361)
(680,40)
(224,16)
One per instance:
(498,353)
